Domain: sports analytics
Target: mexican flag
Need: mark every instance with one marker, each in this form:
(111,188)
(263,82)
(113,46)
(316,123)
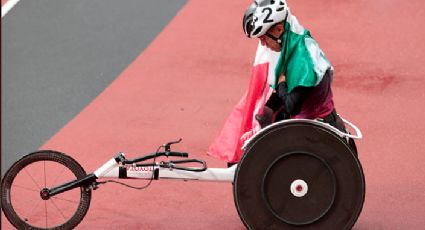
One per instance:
(241,123)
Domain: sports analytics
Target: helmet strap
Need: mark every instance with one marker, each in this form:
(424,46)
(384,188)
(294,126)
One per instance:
(278,40)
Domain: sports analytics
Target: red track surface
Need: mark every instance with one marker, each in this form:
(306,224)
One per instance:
(186,83)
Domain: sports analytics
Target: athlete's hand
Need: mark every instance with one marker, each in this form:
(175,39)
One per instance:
(266,118)
(281,79)
(282,88)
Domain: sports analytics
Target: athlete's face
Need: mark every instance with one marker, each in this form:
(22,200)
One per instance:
(276,31)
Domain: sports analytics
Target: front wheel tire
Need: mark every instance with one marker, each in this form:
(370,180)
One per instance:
(26,178)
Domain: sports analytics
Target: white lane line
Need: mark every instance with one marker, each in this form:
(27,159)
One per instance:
(8,6)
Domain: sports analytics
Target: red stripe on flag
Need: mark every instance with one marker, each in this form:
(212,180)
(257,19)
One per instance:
(227,145)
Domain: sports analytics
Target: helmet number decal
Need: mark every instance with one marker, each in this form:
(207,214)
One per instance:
(269,12)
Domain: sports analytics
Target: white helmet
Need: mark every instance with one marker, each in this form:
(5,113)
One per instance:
(263,14)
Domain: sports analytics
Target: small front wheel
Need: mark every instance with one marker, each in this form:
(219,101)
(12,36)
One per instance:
(23,183)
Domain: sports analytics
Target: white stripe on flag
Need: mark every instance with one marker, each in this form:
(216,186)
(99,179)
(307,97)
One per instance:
(266,55)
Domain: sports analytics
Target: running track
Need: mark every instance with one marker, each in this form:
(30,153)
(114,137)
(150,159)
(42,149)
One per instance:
(186,81)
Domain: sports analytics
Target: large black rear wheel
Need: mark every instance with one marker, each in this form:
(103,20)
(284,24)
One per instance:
(23,182)
(299,175)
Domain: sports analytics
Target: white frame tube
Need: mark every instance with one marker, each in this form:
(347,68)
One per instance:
(106,168)
(133,172)
(211,174)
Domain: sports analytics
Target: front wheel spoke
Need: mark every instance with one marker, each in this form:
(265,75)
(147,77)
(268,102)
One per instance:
(26,188)
(33,180)
(57,208)
(44,166)
(58,175)
(33,209)
(67,200)
(45,212)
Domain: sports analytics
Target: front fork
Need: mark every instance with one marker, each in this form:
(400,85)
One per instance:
(87,181)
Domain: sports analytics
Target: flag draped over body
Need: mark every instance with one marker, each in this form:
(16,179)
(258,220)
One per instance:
(241,123)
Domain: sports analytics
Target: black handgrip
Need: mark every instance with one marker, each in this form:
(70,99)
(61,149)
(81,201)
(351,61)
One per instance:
(177,154)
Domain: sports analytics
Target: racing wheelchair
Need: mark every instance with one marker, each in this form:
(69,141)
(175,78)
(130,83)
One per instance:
(294,174)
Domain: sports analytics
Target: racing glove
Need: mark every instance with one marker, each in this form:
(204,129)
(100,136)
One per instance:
(266,118)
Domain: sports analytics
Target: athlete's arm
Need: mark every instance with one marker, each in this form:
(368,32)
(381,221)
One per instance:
(292,101)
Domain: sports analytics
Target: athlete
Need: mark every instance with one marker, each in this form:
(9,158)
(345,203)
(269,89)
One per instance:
(303,74)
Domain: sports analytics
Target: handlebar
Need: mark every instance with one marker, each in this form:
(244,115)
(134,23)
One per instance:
(177,154)
(153,155)
(166,153)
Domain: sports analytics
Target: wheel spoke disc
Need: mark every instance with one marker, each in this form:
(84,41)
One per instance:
(299,188)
